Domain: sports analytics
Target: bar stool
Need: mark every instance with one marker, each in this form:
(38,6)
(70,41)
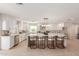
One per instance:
(32,42)
(61,42)
(41,42)
(51,42)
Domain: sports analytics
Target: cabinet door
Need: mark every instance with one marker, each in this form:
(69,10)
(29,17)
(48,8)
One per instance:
(11,41)
(5,42)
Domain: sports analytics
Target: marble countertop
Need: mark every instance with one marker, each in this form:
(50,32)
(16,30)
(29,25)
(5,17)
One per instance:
(50,34)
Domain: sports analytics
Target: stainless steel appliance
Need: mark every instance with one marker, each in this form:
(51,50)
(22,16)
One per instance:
(28,41)
(16,40)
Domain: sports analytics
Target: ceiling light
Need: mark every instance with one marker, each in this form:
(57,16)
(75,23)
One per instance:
(19,3)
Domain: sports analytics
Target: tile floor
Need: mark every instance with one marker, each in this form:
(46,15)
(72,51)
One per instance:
(22,50)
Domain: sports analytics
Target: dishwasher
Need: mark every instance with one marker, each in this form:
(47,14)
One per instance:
(41,42)
(16,40)
(28,41)
(51,42)
(32,42)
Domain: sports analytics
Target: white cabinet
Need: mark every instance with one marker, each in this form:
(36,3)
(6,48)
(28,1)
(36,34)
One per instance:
(7,42)
(22,37)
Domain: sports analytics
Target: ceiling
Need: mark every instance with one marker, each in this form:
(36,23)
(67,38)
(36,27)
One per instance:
(56,12)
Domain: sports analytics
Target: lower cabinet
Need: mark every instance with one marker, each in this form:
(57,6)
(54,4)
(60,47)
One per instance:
(7,42)
(22,37)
